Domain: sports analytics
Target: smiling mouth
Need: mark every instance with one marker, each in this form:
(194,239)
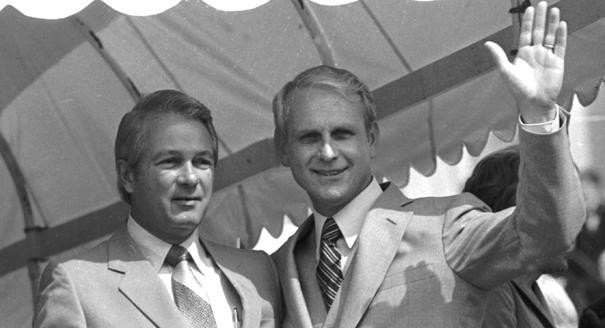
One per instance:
(329,173)
(186,200)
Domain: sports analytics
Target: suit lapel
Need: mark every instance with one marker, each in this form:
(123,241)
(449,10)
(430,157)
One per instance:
(229,264)
(377,245)
(533,301)
(140,284)
(290,279)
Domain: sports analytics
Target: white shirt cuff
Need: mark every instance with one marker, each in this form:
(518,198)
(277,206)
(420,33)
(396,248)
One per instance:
(547,127)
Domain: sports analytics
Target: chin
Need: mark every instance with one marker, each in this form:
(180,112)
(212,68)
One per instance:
(183,232)
(188,219)
(331,198)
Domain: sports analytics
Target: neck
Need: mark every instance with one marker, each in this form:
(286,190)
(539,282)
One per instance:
(162,235)
(330,208)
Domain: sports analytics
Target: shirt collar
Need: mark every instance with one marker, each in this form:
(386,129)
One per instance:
(351,217)
(155,250)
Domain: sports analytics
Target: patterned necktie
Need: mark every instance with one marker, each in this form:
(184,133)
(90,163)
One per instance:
(195,309)
(329,273)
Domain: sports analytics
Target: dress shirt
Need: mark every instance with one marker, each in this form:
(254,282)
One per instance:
(544,127)
(350,221)
(215,288)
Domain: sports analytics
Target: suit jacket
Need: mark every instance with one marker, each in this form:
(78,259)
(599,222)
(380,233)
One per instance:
(112,285)
(431,262)
(516,304)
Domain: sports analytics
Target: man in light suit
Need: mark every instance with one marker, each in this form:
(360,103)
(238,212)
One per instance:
(165,151)
(370,257)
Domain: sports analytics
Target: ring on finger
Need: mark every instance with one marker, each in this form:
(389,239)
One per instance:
(549,46)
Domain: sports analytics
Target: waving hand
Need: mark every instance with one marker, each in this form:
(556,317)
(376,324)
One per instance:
(535,76)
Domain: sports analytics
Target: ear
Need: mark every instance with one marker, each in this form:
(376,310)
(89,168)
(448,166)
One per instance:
(280,150)
(125,175)
(282,154)
(373,136)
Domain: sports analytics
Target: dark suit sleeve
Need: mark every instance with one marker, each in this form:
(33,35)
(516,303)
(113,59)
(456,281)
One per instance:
(58,304)
(486,249)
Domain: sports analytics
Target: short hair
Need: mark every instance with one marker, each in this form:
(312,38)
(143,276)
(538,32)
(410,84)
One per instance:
(324,77)
(495,178)
(133,131)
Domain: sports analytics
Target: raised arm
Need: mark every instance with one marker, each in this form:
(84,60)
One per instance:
(487,249)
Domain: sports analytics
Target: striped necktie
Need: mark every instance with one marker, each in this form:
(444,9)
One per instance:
(329,273)
(196,310)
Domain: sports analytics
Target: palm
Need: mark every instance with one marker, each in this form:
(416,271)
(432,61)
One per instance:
(535,76)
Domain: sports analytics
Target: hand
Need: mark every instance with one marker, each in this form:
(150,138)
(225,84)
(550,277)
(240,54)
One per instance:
(535,76)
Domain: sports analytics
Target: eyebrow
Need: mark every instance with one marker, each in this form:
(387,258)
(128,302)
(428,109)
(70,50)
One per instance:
(306,132)
(163,153)
(344,127)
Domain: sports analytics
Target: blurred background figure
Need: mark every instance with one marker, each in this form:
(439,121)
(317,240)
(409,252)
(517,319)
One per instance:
(586,274)
(591,239)
(594,315)
(522,302)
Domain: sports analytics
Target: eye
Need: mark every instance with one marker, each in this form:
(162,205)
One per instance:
(342,134)
(167,162)
(203,162)
(309,138)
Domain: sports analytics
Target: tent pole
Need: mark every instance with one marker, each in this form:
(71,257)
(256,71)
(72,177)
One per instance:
(166,71)
(31,230)
(316,31)
(386,36)
(96,43)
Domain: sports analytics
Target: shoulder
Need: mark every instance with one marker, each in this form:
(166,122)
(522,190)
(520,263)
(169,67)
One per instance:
(66,274)
(289,244)
(88,264)
(450,204)
(302,233)
(255,267)
(238,257)
(230,250)
(90,257)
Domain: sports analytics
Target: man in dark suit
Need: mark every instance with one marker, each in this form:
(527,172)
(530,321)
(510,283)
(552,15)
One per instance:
(156,271)
(370,257)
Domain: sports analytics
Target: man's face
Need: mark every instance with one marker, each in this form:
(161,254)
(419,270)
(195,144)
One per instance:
(173,181)
(328,148)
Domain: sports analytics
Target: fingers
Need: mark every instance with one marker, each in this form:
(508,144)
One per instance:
(535,30)
(553,26)
(539,23)
(526,27)
(561,40)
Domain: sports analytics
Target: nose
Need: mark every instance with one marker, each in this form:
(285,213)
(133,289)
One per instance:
(187,176)
(327,152)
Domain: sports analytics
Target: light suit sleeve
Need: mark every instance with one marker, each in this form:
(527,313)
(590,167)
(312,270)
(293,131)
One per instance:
(487,249)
